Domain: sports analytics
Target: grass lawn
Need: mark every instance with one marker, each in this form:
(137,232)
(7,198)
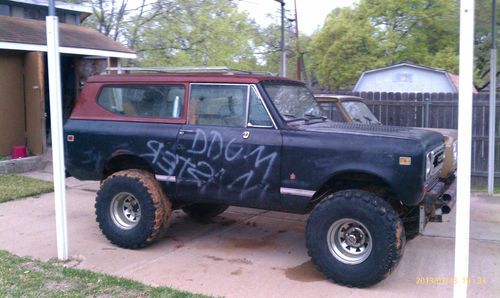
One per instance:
(14,187)
(24,277)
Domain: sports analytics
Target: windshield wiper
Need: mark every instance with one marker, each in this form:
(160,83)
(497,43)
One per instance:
(311,116)
(294,118)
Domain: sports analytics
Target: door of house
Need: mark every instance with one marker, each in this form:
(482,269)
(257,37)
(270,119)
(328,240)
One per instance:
(34,85)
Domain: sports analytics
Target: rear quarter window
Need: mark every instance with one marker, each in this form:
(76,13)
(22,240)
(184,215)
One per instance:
(144,101)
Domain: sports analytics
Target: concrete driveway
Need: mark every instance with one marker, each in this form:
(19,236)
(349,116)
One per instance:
(248,253)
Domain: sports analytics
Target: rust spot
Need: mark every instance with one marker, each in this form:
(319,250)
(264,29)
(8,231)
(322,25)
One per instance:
(214,258)
(227,222)
(305,272)
(241,261)
(253,243)
(178,243)
(237,261)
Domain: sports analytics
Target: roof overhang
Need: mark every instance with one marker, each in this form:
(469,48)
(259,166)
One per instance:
(65,50)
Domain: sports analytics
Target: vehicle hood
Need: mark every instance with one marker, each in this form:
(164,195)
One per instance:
(426,137)
(450,133)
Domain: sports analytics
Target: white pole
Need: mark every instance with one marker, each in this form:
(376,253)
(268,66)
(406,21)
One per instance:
(493,95)
(464,148)
(56,123)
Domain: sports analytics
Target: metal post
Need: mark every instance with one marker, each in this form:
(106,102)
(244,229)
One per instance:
(297,40)
(56,123)
(283,52)
(282,43)
(427,112)
(462,228)
(493,93)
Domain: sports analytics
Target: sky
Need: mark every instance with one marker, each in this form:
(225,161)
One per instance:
(311,13)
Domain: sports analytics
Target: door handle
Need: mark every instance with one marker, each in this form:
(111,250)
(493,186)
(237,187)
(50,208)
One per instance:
(186,131)
(246,134)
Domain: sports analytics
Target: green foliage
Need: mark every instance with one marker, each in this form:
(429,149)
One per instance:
(25,277)
(195,32)
(379,32)
(343,48)
(15,187)
(482,41)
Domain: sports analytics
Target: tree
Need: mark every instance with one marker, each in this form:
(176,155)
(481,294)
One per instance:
(482,42)
(196,32)
(379,32)
(343,48)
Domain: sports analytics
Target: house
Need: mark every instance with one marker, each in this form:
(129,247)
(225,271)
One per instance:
(406,77)
(24,107)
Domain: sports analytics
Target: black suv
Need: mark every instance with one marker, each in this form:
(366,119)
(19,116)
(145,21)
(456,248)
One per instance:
(205,141)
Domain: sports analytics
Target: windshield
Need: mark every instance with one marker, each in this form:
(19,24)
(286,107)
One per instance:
(359,112)
(293,101)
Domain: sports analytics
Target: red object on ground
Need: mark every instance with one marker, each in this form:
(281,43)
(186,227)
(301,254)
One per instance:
(18,152)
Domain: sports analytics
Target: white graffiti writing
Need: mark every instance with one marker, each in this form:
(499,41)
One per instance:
(209,159)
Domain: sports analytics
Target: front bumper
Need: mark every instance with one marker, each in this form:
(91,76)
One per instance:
(438,201)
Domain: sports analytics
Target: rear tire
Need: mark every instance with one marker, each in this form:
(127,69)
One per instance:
(132,209)
(355,238)
(204,212)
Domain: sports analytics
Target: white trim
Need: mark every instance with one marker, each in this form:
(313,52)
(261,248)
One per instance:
(65,50)
(462,227)
(54,72)
(355,89)
(166,178)
(92,52)
(297,192)
(59,5)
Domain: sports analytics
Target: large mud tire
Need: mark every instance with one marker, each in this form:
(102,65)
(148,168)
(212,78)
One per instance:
(355,238)
(204,212)
(132,209)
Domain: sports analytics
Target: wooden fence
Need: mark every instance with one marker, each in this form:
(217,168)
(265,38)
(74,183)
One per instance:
(439,110)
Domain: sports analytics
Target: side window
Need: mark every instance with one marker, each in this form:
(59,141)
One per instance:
(222,105)
(257,114)
(333,112)
(144,101)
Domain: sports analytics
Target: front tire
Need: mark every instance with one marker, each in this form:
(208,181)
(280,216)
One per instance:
(132,209)
(355,238)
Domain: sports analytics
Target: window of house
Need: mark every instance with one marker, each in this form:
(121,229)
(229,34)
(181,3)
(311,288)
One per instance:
(257,114)
(151,101)
(221,105)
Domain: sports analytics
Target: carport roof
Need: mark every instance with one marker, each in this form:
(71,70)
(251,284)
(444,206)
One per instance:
(29,35)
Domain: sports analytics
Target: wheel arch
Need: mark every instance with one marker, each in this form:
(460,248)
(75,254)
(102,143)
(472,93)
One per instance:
(125,161)
(357,179)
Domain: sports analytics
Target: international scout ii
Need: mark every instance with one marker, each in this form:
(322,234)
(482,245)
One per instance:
(204,141)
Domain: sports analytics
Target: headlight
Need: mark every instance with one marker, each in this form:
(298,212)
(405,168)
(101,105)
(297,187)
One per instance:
(455,150)
(428,165)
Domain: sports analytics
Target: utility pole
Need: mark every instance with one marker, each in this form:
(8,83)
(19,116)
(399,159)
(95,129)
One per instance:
(282,44)
(299,55)
(493,96)
(56,122)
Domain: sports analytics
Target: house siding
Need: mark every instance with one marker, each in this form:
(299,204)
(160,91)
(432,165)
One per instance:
(12,119)
(404,79)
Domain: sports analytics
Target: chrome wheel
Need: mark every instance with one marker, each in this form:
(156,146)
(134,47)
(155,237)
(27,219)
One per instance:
(125,210)
(349,241)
